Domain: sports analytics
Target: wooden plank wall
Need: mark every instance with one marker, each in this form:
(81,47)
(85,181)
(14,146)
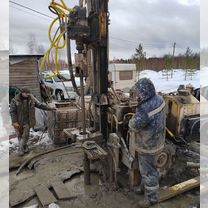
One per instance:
(25,74)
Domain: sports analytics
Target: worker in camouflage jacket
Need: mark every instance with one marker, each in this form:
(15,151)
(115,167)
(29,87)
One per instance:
(22,112)
(148,128)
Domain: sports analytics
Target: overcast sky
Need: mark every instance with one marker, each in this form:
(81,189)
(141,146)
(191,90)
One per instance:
(157,24)
(4,24)
(204,23)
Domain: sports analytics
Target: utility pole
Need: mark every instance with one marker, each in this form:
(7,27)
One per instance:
(174,46)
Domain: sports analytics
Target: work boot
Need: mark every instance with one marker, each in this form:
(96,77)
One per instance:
(26,149)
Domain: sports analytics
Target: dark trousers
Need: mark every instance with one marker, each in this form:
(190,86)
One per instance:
(150,177)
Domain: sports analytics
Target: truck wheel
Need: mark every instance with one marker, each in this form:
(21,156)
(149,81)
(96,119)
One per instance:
(59,95)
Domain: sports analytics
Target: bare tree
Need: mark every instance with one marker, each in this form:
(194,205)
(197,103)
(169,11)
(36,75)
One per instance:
(189,67)
(32,44)
(40,49)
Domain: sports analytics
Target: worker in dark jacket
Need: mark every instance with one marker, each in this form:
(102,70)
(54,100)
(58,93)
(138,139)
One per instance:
(22,112)
(148,127)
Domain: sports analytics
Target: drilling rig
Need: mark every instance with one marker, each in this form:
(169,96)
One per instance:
(106,137)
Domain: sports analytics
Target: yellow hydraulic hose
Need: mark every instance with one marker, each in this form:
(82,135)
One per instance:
(61,9)
(170,133)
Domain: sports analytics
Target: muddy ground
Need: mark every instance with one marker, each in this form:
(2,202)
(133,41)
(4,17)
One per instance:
(67,166)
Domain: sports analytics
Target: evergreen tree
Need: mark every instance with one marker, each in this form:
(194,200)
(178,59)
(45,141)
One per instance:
(168,65)
(139,59)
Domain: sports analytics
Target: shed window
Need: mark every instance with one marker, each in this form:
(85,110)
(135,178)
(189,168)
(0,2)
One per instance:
(126,75)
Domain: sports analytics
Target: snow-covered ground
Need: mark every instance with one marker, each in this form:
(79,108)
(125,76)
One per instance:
(39,139)
(164,85)
(161,85)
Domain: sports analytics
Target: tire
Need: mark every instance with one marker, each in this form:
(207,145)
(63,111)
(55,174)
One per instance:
(59,95)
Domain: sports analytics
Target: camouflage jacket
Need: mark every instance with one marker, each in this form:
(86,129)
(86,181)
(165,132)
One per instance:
(148,123)
(16,109)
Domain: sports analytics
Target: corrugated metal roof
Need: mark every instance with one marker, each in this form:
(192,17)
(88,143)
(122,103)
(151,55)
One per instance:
(27,55)
(14,59)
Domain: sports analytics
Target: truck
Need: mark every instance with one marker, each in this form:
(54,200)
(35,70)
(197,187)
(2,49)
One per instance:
(62,87)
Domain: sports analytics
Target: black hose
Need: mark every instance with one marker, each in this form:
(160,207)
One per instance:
(70,66)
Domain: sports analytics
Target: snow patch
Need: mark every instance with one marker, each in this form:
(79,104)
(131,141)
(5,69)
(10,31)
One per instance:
(43,139)
(165,86)
(36,139)
(33,206)
(53,205)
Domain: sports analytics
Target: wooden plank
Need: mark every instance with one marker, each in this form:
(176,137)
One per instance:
(60,189)
(20,70)
(44,195)
(134,175)
(25,76)
(27,73)
(23,82)
(179,189)
(193,165)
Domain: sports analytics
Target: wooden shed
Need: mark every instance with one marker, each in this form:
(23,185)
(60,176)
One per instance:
(24,72)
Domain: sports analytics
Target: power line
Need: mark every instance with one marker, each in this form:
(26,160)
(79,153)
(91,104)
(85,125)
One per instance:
(19,9)
(148,45)
(28,8)
(137,42)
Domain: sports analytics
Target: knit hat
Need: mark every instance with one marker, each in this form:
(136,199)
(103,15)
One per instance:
(25,90)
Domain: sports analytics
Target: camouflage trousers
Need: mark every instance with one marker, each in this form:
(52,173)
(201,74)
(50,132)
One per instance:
(150,177)
(23,135)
